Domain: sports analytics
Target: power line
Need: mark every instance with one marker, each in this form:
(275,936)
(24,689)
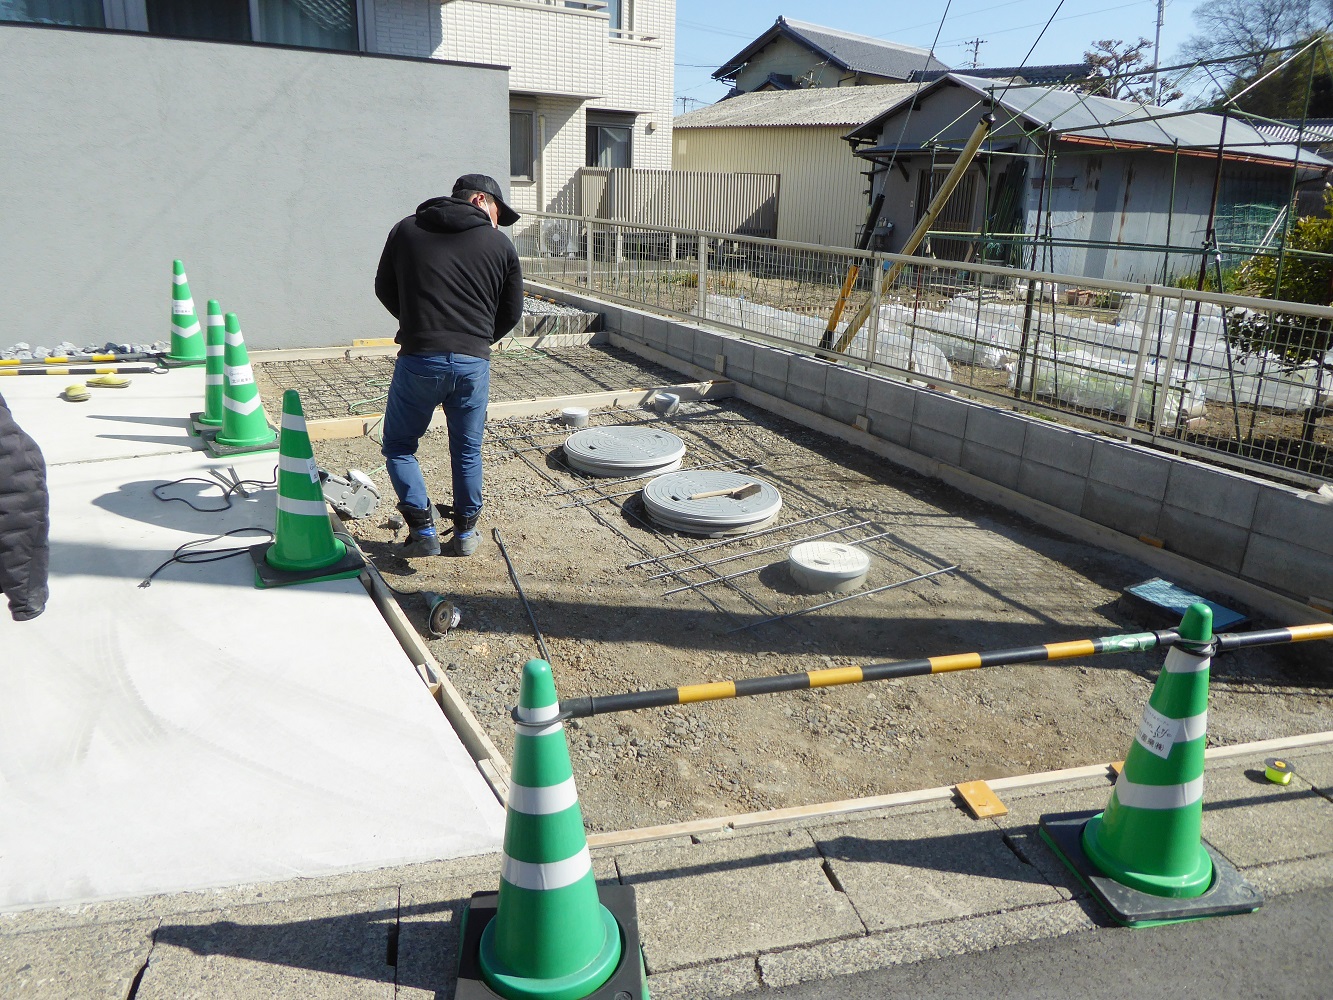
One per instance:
(976,44)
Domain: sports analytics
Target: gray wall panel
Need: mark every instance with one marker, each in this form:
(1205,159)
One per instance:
(274,174)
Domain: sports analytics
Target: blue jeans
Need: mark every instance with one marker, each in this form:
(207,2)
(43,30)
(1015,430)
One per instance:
(460,384)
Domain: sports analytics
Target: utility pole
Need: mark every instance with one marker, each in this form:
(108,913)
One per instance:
(1157,51)
(976,44)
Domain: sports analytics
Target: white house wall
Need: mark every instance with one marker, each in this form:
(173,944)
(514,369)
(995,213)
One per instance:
(562,63)
(822,194)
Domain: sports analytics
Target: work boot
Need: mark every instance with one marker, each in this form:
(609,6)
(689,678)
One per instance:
(466,535)
(422,539)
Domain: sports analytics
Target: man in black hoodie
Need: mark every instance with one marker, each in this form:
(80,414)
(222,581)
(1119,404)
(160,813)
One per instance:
(24,512)
(453,282)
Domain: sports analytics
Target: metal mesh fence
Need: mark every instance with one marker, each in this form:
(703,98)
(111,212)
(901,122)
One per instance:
(1246,382)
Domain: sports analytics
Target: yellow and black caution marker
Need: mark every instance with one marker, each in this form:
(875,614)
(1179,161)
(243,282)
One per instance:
(1278,771)
(65,370)
(582,708)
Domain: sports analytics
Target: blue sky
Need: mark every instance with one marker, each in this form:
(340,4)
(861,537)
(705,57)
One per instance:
(708,32)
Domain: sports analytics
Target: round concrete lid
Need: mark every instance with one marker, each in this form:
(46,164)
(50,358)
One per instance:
(821,566)
(667,500)
(623,451)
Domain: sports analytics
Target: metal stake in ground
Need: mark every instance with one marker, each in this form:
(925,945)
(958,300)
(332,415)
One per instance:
(513,575)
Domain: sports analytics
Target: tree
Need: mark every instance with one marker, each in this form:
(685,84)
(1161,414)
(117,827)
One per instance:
(1244,31)
(1125,72)
(1283,94)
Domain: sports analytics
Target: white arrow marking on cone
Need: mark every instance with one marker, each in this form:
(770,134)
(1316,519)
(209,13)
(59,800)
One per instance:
(544,800)
(244,409)
(307,508)
(1131,793)
(552,875)
(178,279)
(185,331)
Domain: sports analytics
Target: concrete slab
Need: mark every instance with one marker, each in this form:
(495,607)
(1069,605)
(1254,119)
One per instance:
(724,899)
(918,944)
(1123,510)
(1316,767)
(201,732)
(1209,540)
(431,915)
(1287,566)
(989,463)
(1130,468)
(91,963)
(1198,488)
(932,865)
(937,444)
(1059,447)
(996,430)
(1255,822)
(846,392)
(150,417)
(716,979)
(1028,806)
(325,946)
(1305,519)
(1051,485)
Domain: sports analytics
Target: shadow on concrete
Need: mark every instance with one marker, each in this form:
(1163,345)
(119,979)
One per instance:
(182,422)
(171,506)
(413,947)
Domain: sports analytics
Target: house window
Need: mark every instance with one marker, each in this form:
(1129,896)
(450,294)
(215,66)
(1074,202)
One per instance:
(520,145)
(77,13)
(609,140)
(322,24)
(618,12)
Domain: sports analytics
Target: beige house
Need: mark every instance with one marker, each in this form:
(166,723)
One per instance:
(823,191)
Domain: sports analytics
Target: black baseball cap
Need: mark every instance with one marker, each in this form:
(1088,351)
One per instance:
(480,182)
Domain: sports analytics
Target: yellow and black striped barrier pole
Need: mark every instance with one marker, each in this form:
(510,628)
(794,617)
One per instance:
(74,359)
(83,370)
(580,708)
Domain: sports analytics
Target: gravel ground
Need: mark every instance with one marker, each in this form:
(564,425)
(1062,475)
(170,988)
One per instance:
(609,629)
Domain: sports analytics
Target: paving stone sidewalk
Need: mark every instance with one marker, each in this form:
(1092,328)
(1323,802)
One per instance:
(721,914)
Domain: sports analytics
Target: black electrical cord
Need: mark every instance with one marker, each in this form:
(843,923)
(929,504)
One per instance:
(227,490)
(186,553)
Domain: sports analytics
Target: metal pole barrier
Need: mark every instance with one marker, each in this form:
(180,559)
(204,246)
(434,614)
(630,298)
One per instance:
(580,708)
(701,306)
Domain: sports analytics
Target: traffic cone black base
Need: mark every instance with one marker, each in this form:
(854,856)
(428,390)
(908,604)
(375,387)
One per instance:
(1229,892)
(216,450)
(350,565)
(629,979)
(167,361)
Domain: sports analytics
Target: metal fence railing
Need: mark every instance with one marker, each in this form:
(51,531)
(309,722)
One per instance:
(1240,381)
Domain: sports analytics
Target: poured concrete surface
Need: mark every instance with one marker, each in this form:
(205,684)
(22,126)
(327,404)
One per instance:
(200,732)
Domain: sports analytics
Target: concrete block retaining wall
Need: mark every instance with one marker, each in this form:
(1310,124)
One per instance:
(1276,537)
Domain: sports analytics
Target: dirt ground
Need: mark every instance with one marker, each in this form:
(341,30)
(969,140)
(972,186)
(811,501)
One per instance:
(609,628)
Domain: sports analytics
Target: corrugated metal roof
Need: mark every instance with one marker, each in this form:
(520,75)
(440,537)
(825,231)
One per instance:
(1316,131)
(858,53)
(1050,74)
(1074,117)
(841,106)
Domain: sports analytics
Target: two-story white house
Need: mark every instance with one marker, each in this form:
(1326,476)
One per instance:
(590,82)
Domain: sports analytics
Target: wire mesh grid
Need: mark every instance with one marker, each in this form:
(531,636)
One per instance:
(738,576)
(357,386)
(1245,380)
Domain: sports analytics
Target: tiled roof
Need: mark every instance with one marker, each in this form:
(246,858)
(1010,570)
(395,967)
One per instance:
(856,53)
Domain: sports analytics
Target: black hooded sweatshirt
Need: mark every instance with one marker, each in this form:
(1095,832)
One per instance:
(451,280)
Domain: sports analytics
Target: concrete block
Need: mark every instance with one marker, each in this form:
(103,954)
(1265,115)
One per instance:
(1121,509)
(96,962)
(920,944)
(889,426)
(940,445)
(1316,767)
(707,346)
(680,341)
(1288,566)
(1255,822)
(1026,808)
(996,430)
(1213,493)
(740,359)
(727,898)
(1206,539)
(656,332)
(807,381)
(771,368)
(892,398)
(991,464)
(631,323)
(940,864)
(1135,469)
(943,413)
(845,393)
(1303,518)
(1051,485)
(324,946)
(716,979)
(1058,447)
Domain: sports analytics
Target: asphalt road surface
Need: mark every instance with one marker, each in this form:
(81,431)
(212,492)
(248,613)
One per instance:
(1282,951)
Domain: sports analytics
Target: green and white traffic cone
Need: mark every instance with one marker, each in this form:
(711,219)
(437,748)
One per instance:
(551,935)
(304,548)
(1143,857)
(214,337)
(187,340)
(244,426)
